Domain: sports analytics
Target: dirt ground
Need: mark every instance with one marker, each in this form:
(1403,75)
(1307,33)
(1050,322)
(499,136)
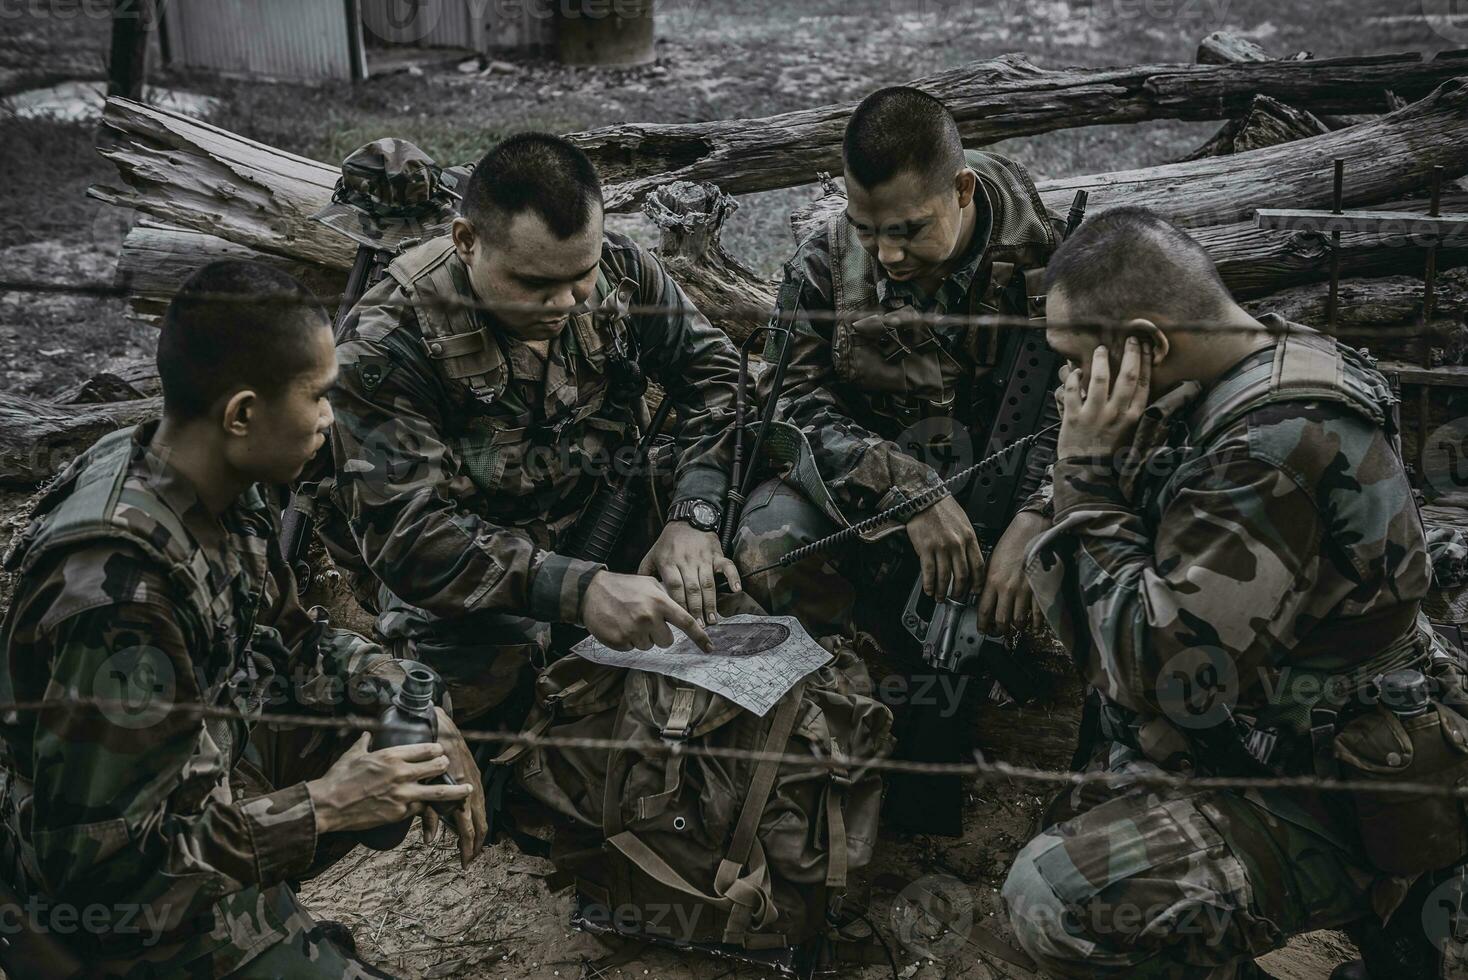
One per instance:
(413,910)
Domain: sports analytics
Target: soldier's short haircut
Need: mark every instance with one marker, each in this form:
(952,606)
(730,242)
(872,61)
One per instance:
(1131,262)
(533,172)
(898,130)
(234,325)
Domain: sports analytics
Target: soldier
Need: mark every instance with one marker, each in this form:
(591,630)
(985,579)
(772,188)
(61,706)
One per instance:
(150,577)
(468,442)
(927,229)
(1238,566)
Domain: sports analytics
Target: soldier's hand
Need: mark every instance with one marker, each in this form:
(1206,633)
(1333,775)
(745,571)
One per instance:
(626,611)
(366,789)
(1100,420)
(948,550)
(1007,600)
(470,822)
(686,560)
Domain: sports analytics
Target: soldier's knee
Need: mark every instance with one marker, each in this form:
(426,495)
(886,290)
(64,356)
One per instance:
(776,520)
(1044,924)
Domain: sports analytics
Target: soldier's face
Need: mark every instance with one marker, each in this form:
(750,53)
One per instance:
(539,277)
(907,226)
(284,430)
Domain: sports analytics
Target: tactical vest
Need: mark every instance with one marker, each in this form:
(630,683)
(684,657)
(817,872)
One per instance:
(1343,655)
(94,500)
(1021,239)
(527,478)
(461,349)
(83,506)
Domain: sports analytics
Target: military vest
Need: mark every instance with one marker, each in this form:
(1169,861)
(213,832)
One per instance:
(1340,655)
(534,474)
(93,501)
(85,505)
(908,364)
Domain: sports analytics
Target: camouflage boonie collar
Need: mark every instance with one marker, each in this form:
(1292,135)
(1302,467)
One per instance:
(389,192)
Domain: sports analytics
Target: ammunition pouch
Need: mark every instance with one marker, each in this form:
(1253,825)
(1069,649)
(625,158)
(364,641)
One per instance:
(1403,833)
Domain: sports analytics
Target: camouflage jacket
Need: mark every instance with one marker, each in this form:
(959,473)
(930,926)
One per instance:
(1234,547)
(460,494)
(126,804)
(854,393)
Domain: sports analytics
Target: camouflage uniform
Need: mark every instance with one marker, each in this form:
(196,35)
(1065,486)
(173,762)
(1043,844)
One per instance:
(1255,533)
(462,474)
(872,410)
(188,832)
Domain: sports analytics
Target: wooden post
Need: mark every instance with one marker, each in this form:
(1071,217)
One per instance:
(127,68)
(605,32)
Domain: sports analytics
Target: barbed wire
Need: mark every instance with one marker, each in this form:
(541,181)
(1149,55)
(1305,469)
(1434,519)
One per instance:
(756,313)
(981,767)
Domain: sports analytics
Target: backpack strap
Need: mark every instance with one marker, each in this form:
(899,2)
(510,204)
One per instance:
(83,508)
(742,888)
(853,274)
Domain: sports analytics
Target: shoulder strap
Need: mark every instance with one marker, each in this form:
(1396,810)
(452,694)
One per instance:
(462,350)
(100,505)
(1307,365)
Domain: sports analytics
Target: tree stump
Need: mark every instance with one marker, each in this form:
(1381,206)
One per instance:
(691,219)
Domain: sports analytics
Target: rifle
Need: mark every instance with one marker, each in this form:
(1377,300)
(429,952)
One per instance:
(297,520)
(948,631)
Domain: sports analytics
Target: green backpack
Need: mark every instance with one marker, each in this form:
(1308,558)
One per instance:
(739,855)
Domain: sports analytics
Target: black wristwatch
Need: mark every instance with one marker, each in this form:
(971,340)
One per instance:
(700,513)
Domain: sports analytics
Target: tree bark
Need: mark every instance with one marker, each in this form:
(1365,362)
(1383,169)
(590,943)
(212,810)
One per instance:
(1384,316)
(691,218)
(1004,98)
(38,439)
(156,258)
(1269,122)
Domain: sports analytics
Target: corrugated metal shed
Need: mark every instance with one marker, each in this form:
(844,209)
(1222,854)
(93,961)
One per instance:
(319,39)
(269,38)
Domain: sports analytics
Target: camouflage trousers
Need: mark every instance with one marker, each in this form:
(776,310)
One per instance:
(824,590)
(1161,883)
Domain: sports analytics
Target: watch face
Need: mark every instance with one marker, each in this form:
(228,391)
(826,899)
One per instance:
(704,515)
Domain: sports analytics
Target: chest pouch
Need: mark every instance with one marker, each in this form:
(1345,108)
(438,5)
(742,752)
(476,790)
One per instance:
(896,355)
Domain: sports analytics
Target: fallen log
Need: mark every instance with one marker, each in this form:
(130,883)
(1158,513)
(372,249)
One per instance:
(156,258)
(1268,122)
(1384,316)
(1001,99)
(38,439)
(1385,157)
(691,218)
